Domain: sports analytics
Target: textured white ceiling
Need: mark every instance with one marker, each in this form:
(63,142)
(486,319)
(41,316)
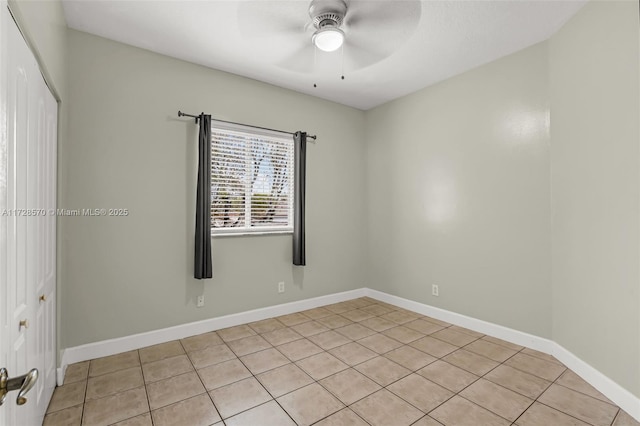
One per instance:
(443,39)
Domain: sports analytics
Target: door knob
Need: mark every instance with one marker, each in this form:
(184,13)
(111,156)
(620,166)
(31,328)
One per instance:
(23,323)
(22,383)
(43,298)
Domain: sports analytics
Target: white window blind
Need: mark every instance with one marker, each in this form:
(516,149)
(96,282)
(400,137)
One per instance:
(251,181)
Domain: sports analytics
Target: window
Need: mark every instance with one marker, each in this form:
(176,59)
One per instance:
(251,181)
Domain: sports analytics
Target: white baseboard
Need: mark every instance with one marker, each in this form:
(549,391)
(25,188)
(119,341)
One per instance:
(616,393)
(510,335)
(60,372)
(141,340)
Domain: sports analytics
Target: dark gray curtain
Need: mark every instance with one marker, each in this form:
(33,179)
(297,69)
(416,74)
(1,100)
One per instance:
(203,266)
(300,170)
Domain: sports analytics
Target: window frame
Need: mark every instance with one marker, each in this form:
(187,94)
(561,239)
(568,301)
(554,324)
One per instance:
(217,126)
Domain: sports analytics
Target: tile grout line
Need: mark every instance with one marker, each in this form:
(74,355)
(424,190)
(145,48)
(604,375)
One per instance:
(338,372)
(206,391)
(537,398)
(126,390)
(144,384)
(86,389)
(381,355)
(616,416)
(533,400)
(256,379)
(312,378)
(441,359)
(561,411)
(566,414)
(411,371)
(499,364)
(372,304)
(197,370)
(306,337)
(497,384)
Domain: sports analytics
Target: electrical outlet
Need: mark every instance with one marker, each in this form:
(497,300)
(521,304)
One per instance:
(281,287)
(435,291)
(200,301)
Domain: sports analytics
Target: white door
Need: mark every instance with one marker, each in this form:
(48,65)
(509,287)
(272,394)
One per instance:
(28,141)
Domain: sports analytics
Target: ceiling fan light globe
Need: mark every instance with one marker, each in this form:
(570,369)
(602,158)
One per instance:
(328,39)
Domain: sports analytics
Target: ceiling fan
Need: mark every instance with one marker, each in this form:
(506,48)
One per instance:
(356,33)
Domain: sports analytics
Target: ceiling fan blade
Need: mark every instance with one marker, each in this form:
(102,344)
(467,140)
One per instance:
(268,19)
(383,24)
(358,56)
(380,14)
(301,60)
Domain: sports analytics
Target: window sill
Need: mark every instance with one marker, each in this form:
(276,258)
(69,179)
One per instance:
(249,234)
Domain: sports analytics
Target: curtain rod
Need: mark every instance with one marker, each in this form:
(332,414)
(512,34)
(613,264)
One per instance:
(182,114)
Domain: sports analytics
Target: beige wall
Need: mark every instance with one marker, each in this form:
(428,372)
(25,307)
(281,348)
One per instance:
(456,183)
(128,149)
(596,206)
(462,176)
(458,194)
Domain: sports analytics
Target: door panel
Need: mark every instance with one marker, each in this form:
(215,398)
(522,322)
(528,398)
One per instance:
(44,298)
(28,155)
(4,164)
(18,106)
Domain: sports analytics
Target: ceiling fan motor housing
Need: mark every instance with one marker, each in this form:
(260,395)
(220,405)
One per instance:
(327,13)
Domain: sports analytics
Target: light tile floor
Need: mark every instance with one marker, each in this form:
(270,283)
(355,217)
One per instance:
(352,363)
